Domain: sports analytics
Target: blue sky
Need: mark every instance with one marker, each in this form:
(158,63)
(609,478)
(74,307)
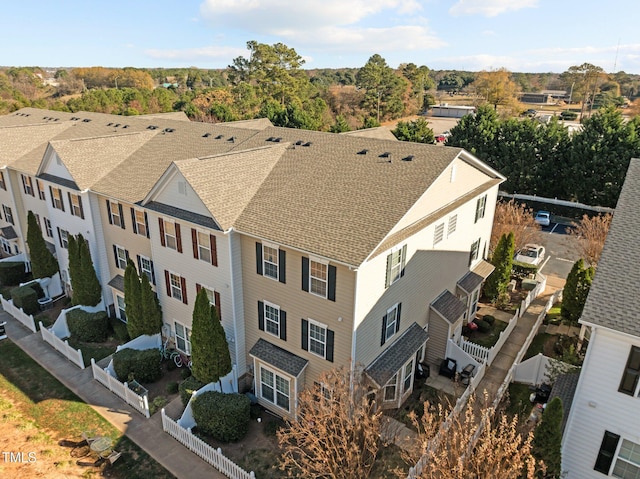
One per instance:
(519,35)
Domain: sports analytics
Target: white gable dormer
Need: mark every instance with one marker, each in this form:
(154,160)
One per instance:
(174,190)
(52,164)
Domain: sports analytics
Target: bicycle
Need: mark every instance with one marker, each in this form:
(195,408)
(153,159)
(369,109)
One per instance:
(174,355)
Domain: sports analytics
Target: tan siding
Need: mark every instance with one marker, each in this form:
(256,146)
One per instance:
(298,304)
(438,336)
(190,202)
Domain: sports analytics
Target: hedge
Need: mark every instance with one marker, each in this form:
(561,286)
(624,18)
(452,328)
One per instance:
(522,270)
(12,272)
(187,387)
(483,326)
(88,327)
(119,329)
(489,319)
(224,417)
(25,297)
(142,365)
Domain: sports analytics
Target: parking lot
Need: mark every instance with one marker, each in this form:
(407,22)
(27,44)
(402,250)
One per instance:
(562,249)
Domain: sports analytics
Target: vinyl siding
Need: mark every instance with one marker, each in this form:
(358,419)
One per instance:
(298,304)
(609,410)
(237,303)
(438,337)
(170,195)
(296,385)
(52,166)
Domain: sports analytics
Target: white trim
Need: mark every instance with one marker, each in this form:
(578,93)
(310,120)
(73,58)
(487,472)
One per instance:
(326,330)
(124,250)
(290,379)
(186,339)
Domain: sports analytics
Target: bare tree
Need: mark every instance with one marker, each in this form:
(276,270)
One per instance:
(337,432)
(475,443)
(517,218)
(591,233)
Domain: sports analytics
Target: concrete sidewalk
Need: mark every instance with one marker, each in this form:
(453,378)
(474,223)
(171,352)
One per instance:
(146,433)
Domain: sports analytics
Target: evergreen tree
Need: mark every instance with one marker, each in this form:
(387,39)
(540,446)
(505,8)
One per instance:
(43,263)
(576,290)
(340,125)
(90,292)
(502,260)
(548,439)
(416,130)
(151,309)
(133,301)
(74,268)
(210,355)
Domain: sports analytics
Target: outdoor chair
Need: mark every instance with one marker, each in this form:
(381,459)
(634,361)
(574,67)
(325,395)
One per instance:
(448,368)
(467,373)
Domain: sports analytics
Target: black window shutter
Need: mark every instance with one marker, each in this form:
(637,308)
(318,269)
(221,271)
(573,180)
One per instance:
(398,317)
(183,283)
(167,281)
(70,203)
(283,325)
(329,355)
(133,221)
(62,200)
(121,216)
(260,315)
(305,334)
(403,259)
(139,264)
(53,203)
(305,273)
(384,330)
(108,209)
(115,255)
(259,258)
(387,280)
(153,273)
(629,381)
(59,236)
(282,266)
(331,290)
(607,451)
(146,223)
(126,254)
(81,208)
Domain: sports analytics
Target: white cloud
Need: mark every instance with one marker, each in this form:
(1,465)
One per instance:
(201,53)
(489,8)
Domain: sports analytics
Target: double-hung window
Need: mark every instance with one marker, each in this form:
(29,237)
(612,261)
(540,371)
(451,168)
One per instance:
(390,323)
(146,267)
(176,286)
(121,308)
(272,319)
(317,338)
(121,256)
(274,388)
(48,228)
(395,265)
(318,278)
(407,376)
(204,246)
(63,236)
(270,261)
(475,250)
(27,185)
(390,389)
(480,207)
(56,198)
(183,338)
(140,222)
(629,382)
(114,210)
(170,235)
(76,205)
(8,214)
(41,194)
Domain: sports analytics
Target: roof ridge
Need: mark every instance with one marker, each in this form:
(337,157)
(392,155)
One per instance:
(150,133)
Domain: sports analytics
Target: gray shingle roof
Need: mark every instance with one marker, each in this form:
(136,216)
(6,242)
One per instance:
(613,297)
(395,356)
(449,307)
(565,388)
(117,282)
(278,357)
(8,232)
(470,282)
(189,216)
(59,181)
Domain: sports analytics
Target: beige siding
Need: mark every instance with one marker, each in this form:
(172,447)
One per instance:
(298,304)
(438,336)
(296,385)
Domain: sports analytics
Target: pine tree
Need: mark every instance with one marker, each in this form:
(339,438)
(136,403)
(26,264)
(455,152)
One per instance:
(133,300)
(210,355)
(150,306)
(91,290)
(502,260)
(43,263)
(74,269)
(576,290)
(548,439)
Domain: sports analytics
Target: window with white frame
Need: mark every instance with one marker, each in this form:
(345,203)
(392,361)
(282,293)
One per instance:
(8,214)
(121,256)
(76,205)
(627,465)
(114,211)
(475,249)
(183,338)
(27,185)
(41,194)
(317,338)
(407,376)
(269,261)
(56,198)
(438,233)
(453,222)
(480,207)
(6,246)
(272,319)
(146,268)
(176,285)
(322,390)
(274,388)
(631,375)
(318,278)
(121,307)
(141,224)
(64,238)
(48,228)
(204,247)
(392,319)
(390,389)
(210,295)
(395,265)
(170,235)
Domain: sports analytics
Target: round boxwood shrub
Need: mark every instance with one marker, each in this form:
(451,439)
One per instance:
(25,297)
(489,319)
(88,327)
(224,417)
(143,365)
(12,272)
(187,387)
(483,326)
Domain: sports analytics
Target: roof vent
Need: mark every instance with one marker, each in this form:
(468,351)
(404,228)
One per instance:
(45,117)
(86,120)
(168,130)
(74,118)
(56,119)
(408,158)
(219,137)
(298,143)
(125,126)
(308,143)
(271,138)
(152,127)
(232,139)
(386,154)
(108,124)
(116,125)
(206,135)
(363,152)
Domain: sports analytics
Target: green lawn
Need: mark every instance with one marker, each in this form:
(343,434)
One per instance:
(56,411)
(489,339)
(96,351)
(519,403)
(537,345)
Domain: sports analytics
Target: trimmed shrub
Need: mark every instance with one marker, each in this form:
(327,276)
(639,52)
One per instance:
(88,327)
(12,272)
(489,319)
(483,326)
(119,329)
(172,388)
(224,417)
(522,270)
(143,365)
(187,387)
(25,297)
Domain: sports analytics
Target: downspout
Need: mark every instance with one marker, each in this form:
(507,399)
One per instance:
(353,333)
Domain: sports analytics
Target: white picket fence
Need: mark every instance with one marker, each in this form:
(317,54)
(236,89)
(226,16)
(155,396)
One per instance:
(196,445)
(139,403)
(62,346)
(26,319)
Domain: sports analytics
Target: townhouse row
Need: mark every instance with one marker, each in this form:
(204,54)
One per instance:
(317,249)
